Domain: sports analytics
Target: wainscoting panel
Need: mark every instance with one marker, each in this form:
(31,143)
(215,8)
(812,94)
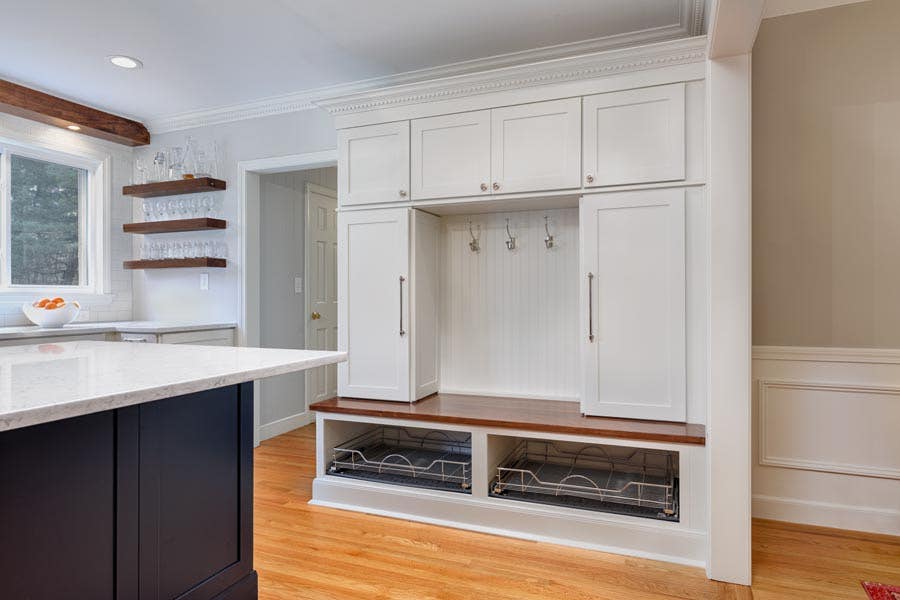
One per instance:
(850,429)
(827,437)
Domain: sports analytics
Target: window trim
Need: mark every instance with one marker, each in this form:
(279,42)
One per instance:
(94,219)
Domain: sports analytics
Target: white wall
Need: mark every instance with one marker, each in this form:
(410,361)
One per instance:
(175,293)
(826,448)
(117,304)
(282,310)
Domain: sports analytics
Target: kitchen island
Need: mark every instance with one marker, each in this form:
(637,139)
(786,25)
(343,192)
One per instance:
(126,470)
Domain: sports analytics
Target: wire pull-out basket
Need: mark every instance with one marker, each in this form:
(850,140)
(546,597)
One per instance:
(631,481)
(433,459)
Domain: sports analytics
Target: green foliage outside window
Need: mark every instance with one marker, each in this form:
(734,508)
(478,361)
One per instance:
(44,223)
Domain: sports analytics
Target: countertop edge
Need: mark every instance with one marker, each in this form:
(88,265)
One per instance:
(45,414)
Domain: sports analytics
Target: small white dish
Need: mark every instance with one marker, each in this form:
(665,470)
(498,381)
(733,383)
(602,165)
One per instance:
(50,319)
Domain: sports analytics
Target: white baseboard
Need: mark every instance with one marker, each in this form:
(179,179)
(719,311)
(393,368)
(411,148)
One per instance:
(270,430)
(826,514)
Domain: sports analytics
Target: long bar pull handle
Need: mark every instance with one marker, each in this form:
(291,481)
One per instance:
(590,277)
(402,279)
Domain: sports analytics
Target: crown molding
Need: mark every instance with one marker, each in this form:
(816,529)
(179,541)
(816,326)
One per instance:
(468,77)
(589,66)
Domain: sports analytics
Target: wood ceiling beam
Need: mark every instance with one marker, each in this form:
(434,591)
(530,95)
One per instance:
(38,106)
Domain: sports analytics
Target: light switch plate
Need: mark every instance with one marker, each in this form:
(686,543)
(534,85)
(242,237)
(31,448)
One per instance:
(204,281)
(298,285)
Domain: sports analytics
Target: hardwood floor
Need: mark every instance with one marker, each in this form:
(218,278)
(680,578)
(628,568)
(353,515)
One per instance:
(308,552)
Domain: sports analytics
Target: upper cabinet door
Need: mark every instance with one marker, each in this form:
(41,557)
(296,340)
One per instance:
(451,155)
(635,136)
(373,303)
(536,147)
(373,164)
(633,305)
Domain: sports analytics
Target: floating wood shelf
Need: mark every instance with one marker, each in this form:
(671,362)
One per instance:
(175,187)
(172,226)
(548,416)
(175,263)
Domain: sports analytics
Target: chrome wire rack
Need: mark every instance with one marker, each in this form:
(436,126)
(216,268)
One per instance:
(424,458)
(637,481)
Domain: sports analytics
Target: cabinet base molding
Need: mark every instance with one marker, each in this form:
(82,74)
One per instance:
(655,541)
(245,589)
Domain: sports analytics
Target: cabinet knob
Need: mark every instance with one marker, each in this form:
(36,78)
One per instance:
(590,178)
(496,186)
(483,187)
(403,193)
(315,316)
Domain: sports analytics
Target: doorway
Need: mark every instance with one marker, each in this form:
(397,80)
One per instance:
(297,289)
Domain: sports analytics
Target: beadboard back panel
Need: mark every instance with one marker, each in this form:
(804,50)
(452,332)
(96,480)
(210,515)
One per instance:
(509,323)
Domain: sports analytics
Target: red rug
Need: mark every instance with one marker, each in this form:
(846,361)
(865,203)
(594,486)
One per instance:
(879,591)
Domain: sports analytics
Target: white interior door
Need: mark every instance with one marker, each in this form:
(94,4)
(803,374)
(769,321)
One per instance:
(321,287)
(373,304)
(451,155)
(373,164)
(634,136)
(633,305)
(536,146)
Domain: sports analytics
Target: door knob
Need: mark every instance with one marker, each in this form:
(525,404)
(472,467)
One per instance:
(484,187)
(315,316)
(590,178)
(496,186)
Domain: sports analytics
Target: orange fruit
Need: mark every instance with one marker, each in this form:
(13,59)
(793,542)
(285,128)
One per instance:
(51,306)
(42,302)
(58,300)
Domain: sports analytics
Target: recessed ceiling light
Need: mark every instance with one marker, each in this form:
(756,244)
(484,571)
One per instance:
(126,62)
(73,127)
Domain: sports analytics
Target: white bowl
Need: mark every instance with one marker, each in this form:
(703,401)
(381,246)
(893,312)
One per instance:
(50,319)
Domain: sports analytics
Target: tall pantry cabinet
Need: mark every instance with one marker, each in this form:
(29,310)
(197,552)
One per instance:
(386,266)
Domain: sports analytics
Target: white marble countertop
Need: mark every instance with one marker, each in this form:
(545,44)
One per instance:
(49,382)
(86,328)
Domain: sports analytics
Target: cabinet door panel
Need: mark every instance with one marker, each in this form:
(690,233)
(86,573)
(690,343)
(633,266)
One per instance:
(451,155)
(373,304)
(635,136)
(373,164)
(634,305)
(57,509)
(196,493)
(536,146)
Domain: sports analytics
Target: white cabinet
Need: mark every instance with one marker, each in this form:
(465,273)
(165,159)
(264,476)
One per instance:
(525,148)
(373,164)
(375,291)
(633,304)
(536,146)
(451,155)
(634,136)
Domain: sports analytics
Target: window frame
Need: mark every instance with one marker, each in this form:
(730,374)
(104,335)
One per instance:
(93,217)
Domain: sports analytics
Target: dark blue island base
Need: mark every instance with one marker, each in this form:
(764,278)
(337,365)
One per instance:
(153,501)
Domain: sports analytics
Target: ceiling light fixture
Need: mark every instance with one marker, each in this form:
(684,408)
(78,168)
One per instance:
(73,127)
(126,62)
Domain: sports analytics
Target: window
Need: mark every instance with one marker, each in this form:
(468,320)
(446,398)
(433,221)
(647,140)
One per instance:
(52,222)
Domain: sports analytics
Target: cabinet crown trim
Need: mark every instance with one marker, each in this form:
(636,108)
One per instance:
(560,70)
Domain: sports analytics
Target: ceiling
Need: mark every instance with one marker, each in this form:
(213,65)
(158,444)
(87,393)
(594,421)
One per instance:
(204,54)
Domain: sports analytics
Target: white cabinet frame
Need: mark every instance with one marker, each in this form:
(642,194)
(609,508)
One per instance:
(374,164)
(634,136)
(373,304)
(451,155)
(550,135)
(633,279)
